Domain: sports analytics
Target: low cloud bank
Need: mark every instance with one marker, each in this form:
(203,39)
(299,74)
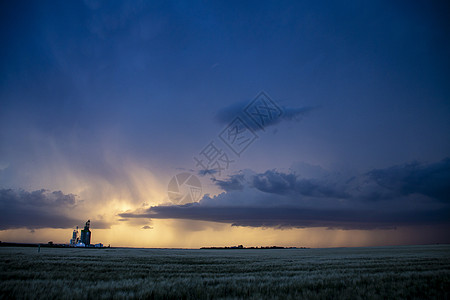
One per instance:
(403,195)
(39,209)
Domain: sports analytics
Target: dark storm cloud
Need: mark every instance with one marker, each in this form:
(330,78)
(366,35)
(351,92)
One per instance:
(281,183)
(432,180)
(412,194)
(289,217)
(38,209)
(235,182)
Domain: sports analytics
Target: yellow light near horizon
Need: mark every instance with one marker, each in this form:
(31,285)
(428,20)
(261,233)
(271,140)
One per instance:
(102,200)
(196,234)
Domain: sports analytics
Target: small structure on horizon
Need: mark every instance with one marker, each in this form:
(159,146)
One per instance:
(85,238)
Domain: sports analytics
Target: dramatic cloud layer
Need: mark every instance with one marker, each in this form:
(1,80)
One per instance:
(39,209)
(412,194)
(429,180)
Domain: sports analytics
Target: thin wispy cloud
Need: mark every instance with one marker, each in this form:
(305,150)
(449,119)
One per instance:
(227,114)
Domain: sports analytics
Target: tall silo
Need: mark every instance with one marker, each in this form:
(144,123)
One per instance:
(86,234)
(74,240)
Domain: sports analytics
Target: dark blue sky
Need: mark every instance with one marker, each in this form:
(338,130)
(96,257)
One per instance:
(89,88)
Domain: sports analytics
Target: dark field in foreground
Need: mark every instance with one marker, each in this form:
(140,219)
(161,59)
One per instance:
(384,272)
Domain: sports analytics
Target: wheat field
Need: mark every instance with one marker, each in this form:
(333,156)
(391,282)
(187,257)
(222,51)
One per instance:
(406,272)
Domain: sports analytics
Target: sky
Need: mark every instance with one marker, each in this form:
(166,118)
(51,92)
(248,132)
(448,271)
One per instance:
(190,124)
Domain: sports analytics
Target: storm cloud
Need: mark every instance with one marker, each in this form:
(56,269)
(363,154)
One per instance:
(39,209)
(432,180)
(403,195)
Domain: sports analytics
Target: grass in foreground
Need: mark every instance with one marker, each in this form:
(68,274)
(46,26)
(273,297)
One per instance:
(409,272)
